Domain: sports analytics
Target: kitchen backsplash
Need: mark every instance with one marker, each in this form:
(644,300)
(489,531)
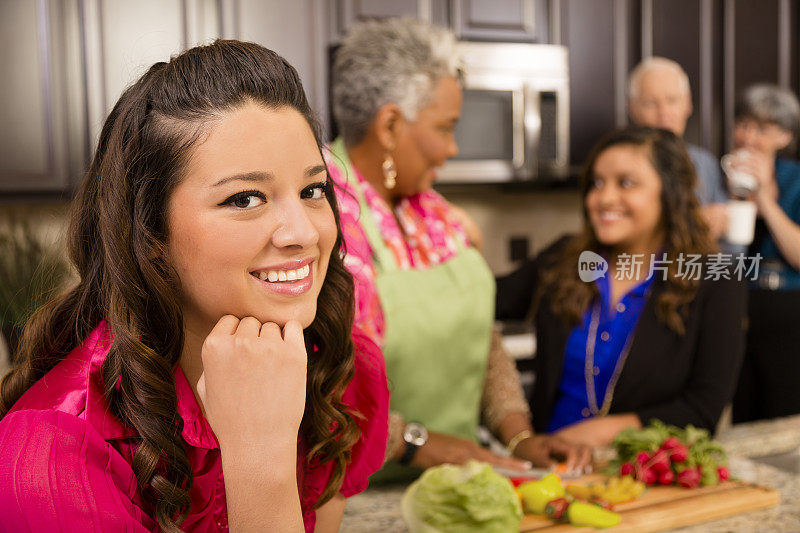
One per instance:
(539,216)
(48,218)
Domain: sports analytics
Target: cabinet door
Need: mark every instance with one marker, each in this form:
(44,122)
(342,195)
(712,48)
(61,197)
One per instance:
(760,46)
(33,146)
(686,32)
(756,42)
(588,31)
(500,20)
(349,12)
(123,40)
(65,65)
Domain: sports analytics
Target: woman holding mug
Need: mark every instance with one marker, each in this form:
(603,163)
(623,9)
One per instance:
(650,337)
(209,330)
(423,292)
(767,119)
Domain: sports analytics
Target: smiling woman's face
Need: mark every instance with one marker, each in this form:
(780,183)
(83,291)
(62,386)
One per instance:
(250,229)
(624,202)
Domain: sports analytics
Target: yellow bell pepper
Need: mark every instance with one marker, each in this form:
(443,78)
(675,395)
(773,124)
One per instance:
(583,514)
(536,494)
(615,490)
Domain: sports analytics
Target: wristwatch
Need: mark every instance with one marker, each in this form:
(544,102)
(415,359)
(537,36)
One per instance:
(415,436)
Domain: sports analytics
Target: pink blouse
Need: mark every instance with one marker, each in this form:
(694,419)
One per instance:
(429,236)
(65,460)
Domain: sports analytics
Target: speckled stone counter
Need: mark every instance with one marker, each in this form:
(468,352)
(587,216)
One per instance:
(378,509)
(756,439)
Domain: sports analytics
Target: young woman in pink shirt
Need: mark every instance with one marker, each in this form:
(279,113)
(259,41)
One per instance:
(209,331)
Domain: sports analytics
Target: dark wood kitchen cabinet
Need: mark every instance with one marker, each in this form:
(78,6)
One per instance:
(500,20)
(724,46)
(38,64)
(470,20)
(349,12)
(64,64)
(590,31)
(684,31)
(761,44)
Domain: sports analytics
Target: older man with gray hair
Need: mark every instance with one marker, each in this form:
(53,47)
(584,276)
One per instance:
(659,96)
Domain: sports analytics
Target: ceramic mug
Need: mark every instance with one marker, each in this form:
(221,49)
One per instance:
(741,222)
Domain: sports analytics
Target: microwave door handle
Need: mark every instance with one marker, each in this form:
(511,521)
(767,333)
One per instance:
(562,128)
(532,122)
(518,131)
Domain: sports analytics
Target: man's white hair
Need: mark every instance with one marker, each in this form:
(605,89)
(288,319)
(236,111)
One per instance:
(651,64)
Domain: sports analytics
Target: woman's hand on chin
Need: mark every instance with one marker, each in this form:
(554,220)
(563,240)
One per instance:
(254,378)
(598,431)
(253,390)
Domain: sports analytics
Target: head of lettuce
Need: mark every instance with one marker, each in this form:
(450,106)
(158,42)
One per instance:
(450,498)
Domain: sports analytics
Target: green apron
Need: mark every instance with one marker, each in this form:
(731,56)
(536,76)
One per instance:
(437,336)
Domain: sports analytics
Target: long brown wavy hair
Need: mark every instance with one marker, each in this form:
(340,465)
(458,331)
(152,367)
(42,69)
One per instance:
(684,229)
(117,241)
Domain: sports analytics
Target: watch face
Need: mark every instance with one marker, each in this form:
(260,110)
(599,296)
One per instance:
(415,434)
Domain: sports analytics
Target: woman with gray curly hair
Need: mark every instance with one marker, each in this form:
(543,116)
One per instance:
(767,119)
(423,291)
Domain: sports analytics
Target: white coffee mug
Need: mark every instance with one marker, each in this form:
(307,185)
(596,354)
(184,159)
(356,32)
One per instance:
(741,222)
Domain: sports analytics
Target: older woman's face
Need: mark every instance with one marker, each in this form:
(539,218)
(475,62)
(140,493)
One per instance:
(624,202)
(765,138)
(425,144)
(250,229)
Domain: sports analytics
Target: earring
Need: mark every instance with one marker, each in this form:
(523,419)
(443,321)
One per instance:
(389,172)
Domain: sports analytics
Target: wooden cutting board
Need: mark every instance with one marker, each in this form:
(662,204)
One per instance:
(663,508)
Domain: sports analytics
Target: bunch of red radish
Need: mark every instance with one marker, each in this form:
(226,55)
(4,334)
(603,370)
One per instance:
(667,465)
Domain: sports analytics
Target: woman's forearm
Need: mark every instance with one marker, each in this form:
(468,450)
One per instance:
(502,393)
(599,431)
(261,492)
(512,425)
(783,229)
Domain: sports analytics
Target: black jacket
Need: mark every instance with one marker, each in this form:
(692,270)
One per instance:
(678,379)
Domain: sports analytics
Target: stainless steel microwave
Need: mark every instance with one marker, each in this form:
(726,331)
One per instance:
(515,118)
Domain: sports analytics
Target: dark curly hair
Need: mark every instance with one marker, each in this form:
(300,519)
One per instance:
(117,242)
(685,231)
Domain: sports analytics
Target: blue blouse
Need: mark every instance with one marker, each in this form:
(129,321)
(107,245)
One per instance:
(615,325)
(787,174)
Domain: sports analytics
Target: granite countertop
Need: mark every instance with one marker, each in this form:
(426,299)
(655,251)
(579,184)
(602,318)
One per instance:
(378,509)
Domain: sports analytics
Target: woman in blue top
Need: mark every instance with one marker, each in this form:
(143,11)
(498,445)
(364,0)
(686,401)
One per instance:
(767,118)
(617,346)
